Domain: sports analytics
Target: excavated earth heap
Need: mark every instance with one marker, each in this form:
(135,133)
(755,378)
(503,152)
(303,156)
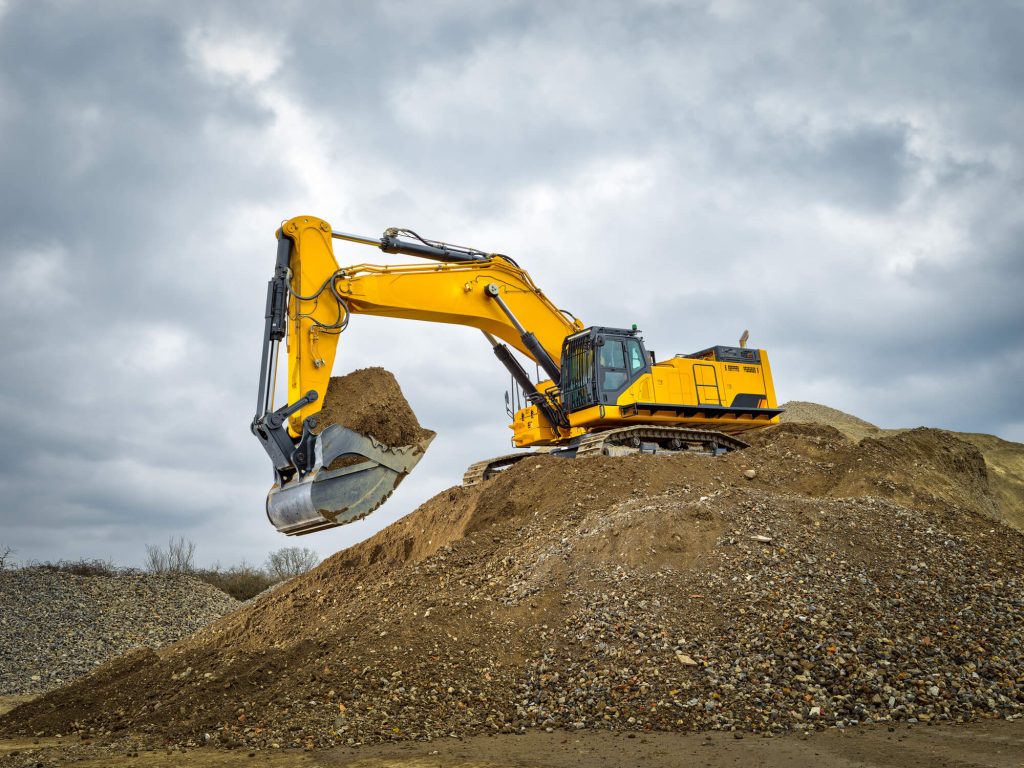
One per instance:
(1004,459)
(842,583)
(370,402)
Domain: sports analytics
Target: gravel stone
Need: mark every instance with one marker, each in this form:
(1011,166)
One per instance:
(562,594)
(56,626)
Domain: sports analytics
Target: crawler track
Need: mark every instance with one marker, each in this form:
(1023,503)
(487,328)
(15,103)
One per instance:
(645,438)
(485,470)
(668,439)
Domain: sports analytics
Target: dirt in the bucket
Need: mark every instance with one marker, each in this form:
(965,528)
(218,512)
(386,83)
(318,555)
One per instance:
(370,402)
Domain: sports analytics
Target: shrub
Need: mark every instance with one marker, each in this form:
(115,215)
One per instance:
(291,561)
(242,582)
(83,567)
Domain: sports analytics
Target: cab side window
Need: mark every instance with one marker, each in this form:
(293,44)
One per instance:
(636,357)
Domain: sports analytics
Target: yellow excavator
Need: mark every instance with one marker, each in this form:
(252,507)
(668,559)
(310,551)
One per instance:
(601,392)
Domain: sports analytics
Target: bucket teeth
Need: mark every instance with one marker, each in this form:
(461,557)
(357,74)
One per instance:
(365,477)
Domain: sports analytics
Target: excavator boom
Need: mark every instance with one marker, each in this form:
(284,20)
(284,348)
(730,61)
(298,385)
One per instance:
(463,287)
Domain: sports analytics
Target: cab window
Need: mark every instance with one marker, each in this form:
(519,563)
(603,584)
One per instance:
(613,366)
(611,354)
(636,357)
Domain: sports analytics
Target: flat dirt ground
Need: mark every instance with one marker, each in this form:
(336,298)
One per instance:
(996,743)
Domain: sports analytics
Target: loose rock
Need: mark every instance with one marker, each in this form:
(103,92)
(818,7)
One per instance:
(562,594)
(57,626)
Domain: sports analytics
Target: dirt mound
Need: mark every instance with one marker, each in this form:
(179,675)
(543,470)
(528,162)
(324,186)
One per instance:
(645,592)
(814,413)
(1003,459)
(1005,462)
(370,402)
(920,467)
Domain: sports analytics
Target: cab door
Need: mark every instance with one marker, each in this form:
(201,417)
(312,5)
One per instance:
(614,375)
(620,363)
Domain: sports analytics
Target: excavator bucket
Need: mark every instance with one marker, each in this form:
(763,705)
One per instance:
(353,474)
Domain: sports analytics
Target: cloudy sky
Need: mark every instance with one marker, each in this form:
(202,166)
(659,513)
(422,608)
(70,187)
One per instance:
(843,179)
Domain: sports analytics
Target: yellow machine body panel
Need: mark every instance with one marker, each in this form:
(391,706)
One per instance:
(687,382)
(698,392)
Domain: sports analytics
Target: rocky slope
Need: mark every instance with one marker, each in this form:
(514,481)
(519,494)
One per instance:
(56,626)
(843,583)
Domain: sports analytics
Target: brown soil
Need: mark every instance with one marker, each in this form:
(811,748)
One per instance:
(843,583)
(1004,460)
(998,744)
(814,413)
(370,402)
(7,703)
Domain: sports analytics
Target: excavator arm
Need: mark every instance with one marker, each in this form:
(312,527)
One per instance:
(489,292)
(310,301)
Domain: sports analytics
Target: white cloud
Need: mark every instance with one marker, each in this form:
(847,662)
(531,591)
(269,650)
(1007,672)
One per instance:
(235,55)
(154,349)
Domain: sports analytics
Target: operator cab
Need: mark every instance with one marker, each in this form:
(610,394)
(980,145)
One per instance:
(598,364)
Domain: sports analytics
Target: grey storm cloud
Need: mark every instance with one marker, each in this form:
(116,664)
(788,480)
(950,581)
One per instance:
(843,179)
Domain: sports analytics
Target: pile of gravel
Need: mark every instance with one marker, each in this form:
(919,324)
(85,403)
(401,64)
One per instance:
(56,626)
(800,412)
(806,582)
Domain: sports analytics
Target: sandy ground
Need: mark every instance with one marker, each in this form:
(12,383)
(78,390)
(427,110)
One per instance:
(999,744)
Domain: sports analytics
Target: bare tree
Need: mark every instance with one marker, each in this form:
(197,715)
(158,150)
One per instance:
(176,558)
(5,555)
(156,559)
(291,561)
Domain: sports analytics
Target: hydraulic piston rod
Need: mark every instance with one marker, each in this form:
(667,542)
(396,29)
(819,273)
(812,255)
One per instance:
(529,340)
(427,249)
(522,378)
